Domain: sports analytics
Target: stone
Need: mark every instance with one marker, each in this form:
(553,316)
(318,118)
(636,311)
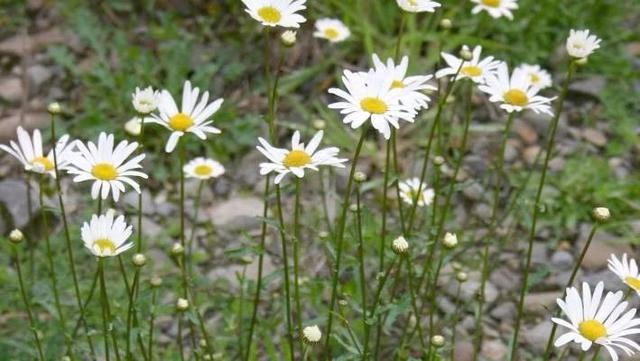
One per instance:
(602,245)
(23,44)
(536,336)
(463,351)
(540,302)
(530,154)
(595,137)
(493,350)
(11,89)
(504,311)
(38,75)
(469,289)
(590,86)
(130,199)
(562,260)
(14,200)
(539,254)
(237,213)
(526,132)
(474,191)
(30,121)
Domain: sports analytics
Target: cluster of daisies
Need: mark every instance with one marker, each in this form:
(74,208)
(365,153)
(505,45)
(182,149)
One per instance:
(111,166)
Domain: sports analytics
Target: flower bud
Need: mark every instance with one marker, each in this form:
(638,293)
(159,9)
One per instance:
(182,304)
(319,124)
(288,38)
(462,276)
(16,236)
(582,61)
(450,240)
(456,266)
(323,234)
(466,54)
(65,358)
(155,281)
(139,260)
(359,177)
(311,334)
(54,108)
(601,214)
(446,24)
(177,249)
(400,246)
(438,160)
(133,126)
(353,208)
(437,341)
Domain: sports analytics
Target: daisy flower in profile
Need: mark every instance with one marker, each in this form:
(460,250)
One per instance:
(145,100)
(191,118)
(594,320)
(538,77)
(627,270)
(203,168)
(412,85)
(411,191)
(109,168)
(475,69)
(299,158)
(276,12)
(516,92)
(371,96)
(105,236)
(418,6)
(495,8)
(581,44)
(28,151)
(333,30)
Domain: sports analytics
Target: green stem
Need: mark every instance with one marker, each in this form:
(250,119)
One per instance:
(492,231)
(285,261)
(536,210)
(383,226)
(27,305)
(339,238)
(363,285)
(72,266)
(31,242)
(140,142)
(454,322)
(376,301)
(414,302)
(396,169)
(403,20)
(92,289)
(154,295)
(132,300)
(296,246)
(196,206)
(179,337)
(572,277)
(52,270)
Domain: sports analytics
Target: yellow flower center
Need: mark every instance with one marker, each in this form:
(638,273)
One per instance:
(592,330)
(104,171)
(269,14)
(45,162)
(180,122)
(373,105)
(414,194)
(105,246)
(296,158)
(397,84)
(491,3)
(471,70)
(516,97)
(632,282)
(413,3)
(202,170)
(534,78)
(331,33)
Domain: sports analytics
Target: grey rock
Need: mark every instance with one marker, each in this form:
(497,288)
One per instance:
(11,89)
(591,86)
(237,213)
(595,137)
(38,75)
(562,260)
(13,197)
(536,337)
(493,350)
(463,351)
(469,290)
(505,310)
(539,254)
(538,303)
(473,191)
(130,199)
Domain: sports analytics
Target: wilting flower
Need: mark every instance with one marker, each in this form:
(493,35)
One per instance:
(203,168)
(450,240)
(276,12)
(400,245)
(412,85)
(333,30)
(299,158)
(538,77)
(593,320)
(288,37)
(411,191)
(192,118)
(581,44)
(371,96)
(311,334)
(418,6)
(105,236)
(28,151)
(516,92)
(495,8)
(109,168)
(145,101)
(474,69)
(627,270)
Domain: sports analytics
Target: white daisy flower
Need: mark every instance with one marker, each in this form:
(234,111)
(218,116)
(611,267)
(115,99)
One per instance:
(106,237)
(203,168)
(538,77)
(145,100)
(516,92)
(418,6)
(371,96)
(593,320)
(28,151)
(495,8)
(413,85)
(276,12)
(109,168)
(192,118)
(333,30)
(581,44)
(627,270)
(299,158)
(475,69)
(410,191)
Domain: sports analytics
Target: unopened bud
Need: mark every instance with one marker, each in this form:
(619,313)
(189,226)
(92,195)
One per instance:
(323,234)
(16,236)
(450,240)
(182,304)
(177,249)
(311,334)
(353,208)
(360,177)
(462,276)
(601,214)
(319,124)
(446,23)
(466,54)
(139,259)
(155,281)
(437,340)
(288,38)
(438,160)
(400,246)
(54,108)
